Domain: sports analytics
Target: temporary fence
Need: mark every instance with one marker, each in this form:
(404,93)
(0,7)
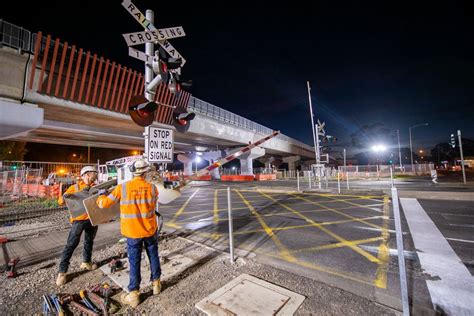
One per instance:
(63,169)
(20,184)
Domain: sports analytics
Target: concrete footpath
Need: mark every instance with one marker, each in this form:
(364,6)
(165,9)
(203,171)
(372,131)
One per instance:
(48,246)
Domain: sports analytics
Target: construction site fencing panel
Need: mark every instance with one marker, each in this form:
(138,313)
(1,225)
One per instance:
(20,184)
(66,169)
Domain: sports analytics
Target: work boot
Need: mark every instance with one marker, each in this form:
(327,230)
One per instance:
(61,280)
(88,266)
(156,287)
(132,298)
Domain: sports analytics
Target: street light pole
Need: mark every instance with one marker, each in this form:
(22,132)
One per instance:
(462,158)
(411,147)
(399,149)
(316,153)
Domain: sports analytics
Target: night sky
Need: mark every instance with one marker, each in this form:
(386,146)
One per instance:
(396,63)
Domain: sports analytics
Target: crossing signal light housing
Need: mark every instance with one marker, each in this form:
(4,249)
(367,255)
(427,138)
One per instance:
(142,111)
(182,119)
(171,62)
(176,84)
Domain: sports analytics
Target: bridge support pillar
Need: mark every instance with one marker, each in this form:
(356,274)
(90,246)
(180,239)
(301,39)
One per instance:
(268,161)
(213,156)
(187,160)
(291,161)
(246,160)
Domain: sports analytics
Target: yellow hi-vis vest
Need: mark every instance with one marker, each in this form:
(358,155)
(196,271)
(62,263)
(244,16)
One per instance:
(138,200)
(79,186)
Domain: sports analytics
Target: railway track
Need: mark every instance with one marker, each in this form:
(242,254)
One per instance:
(11,217)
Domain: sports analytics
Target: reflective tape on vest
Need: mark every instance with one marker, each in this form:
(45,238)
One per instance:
(139,215)
(142,201)
(112,197)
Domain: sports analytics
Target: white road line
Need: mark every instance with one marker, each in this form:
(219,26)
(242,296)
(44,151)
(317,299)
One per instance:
(411,255)
(461,240)
(377,229)
(452,286)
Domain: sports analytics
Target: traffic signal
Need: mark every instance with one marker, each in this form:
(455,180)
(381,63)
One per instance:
(142,111)
(182,118)
(453,141)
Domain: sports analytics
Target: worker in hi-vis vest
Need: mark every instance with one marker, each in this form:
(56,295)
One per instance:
(80,224)
(138,200)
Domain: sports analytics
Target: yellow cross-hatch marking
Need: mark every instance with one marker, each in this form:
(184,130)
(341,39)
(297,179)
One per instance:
(258,209)
(181,210)
(283,250)
(383,253)
(340,213)
(364,253)
(252,231)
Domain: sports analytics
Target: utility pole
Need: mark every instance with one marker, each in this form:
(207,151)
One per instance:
(399,149)
(462,158)
(344,152)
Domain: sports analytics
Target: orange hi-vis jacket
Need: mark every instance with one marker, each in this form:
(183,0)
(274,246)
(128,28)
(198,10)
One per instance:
(138,199)
(79,186)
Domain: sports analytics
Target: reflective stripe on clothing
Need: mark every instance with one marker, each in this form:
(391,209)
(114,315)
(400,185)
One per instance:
(139,215)
(113,198)
(138,200)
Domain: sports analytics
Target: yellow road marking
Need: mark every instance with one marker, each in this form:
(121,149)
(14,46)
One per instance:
(242,232)
(355,204)
(305,264)
(327,231)
(268,215)
(216,215)
(181,210)
(337,245)
(341,213)
(381,274)
(283,250)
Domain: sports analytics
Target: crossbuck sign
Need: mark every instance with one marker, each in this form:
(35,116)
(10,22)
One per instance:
(160,144)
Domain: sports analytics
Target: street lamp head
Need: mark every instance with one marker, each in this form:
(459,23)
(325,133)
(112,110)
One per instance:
(379,148)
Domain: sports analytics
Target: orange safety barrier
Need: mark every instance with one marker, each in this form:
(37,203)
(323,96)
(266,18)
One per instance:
(54,191)
(204,178)
(237,178)
(42,191)
(265,177)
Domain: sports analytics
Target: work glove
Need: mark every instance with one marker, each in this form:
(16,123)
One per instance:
(87,188)
(102,192)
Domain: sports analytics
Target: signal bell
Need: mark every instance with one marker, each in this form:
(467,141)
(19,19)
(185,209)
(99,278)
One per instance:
(142,111)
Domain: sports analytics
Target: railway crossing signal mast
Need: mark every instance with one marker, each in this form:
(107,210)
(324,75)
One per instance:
(162,66)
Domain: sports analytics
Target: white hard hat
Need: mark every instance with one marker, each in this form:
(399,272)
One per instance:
(87,169)
(140,166)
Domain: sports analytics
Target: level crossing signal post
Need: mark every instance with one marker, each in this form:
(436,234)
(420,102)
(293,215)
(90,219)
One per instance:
(161,66)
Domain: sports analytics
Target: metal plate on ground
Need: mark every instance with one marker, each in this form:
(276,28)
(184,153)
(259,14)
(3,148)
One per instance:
(173,265)
(100,215)
(248,295)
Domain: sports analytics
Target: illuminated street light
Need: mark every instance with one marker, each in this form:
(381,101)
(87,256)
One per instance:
(379,148)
